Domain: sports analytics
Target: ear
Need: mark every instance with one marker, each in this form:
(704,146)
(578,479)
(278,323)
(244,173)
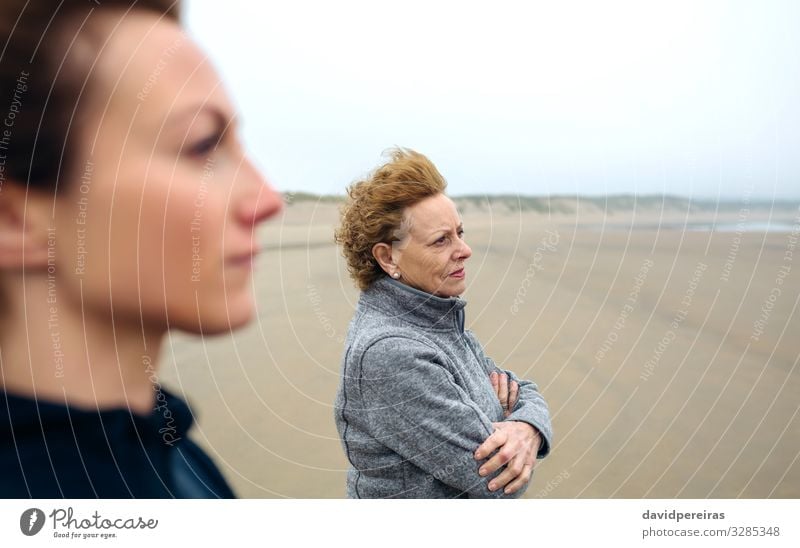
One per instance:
(25,223)
(383,254)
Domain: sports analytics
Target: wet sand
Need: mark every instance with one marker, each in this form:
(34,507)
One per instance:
(670,358)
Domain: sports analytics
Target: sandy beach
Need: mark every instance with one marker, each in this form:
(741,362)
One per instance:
(669,356)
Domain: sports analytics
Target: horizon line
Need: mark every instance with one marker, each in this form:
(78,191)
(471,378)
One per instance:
(594,197)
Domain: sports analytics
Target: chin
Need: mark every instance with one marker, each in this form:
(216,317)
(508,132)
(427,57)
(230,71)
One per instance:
(458,290)
(221,318)
(451,290)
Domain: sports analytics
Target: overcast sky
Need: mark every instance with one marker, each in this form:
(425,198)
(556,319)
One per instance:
(693,98)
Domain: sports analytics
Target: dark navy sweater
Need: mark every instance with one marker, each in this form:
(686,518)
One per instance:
(49,450)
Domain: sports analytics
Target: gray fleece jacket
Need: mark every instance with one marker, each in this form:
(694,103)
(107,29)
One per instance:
(415,400)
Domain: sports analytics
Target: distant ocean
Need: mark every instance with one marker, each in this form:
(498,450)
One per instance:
(759,226)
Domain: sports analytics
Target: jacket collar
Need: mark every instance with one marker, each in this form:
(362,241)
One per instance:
(416,307)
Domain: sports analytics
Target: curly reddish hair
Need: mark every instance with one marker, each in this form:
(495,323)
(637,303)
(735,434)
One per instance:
(375,208)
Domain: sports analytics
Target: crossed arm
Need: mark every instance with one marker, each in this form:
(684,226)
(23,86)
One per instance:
(515,444)
(524,434)
(421,413)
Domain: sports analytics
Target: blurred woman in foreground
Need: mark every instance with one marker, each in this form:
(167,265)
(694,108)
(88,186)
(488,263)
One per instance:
(127,207)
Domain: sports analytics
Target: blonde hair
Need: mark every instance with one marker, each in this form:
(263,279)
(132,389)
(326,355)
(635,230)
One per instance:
(373,212)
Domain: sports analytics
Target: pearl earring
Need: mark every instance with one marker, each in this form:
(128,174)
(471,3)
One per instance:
(396,275)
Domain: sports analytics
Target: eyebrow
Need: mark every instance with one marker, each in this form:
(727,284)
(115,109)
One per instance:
(445,230)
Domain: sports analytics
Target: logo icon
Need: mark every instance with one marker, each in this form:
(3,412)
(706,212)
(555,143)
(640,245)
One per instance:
(31,521)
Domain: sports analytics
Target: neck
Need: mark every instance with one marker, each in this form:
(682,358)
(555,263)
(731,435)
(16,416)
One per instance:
(417,307)
(51,349)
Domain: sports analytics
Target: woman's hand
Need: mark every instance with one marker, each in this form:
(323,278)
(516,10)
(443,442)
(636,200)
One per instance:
(516,445)
(506,392)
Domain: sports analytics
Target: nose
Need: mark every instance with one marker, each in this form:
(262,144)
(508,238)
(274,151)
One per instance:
(464,252)
(261,202)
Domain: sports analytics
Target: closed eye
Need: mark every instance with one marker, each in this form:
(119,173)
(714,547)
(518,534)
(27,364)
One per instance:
(205,146)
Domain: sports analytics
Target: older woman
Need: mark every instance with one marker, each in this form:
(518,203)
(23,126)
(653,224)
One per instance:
(420,407)
(127,207)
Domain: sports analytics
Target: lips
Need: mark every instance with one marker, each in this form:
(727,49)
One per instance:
(243,259)
(458,273)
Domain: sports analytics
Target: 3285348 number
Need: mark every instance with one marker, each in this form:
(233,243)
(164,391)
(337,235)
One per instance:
(755,531)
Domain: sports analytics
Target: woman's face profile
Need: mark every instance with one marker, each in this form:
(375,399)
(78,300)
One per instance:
(157,221)
(431,257)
